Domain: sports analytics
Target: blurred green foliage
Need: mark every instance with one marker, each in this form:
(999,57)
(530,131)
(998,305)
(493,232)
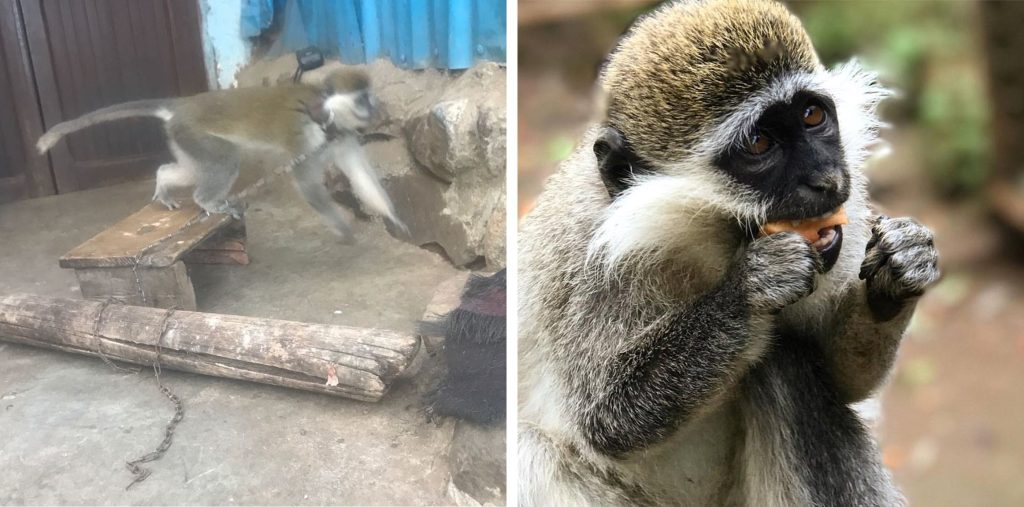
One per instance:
(927,51)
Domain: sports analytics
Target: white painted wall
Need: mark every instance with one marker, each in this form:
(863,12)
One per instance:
(224,48)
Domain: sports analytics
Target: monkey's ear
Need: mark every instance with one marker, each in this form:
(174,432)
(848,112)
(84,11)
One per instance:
(616,161)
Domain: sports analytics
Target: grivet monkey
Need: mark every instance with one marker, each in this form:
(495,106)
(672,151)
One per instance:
(703,288)
(311,125)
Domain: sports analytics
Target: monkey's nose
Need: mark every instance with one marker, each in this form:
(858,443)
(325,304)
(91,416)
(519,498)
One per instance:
(828,182)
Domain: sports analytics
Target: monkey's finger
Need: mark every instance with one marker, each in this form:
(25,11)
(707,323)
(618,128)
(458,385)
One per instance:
(915,269)
(902,233)
(873,262)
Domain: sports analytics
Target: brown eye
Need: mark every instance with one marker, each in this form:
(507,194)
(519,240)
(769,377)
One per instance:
(813,116)
(759,144)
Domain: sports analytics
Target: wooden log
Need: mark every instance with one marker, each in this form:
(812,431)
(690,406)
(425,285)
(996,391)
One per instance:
(337,360)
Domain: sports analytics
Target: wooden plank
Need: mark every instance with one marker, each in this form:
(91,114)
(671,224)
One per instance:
(154,235)
(209,256)
(168,287)
(226,246)
(337,360)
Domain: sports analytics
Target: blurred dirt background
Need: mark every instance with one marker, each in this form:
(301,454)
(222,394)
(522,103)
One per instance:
(952,426)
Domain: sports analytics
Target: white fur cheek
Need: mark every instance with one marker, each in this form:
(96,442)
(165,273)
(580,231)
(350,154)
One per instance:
(345,108)
(651,216)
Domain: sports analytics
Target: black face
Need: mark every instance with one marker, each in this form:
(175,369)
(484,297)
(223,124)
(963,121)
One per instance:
(794,158)
(365,106)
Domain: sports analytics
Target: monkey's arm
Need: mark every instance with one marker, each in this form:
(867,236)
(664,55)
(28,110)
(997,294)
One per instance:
(309,180)
(689,358)
(901,262)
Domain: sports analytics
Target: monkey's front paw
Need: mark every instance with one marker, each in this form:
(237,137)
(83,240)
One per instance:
(780,270)
(235,209)
(901,260)
(171,204)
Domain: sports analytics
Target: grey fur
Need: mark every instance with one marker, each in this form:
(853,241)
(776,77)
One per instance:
(133,109)
(309,177)
(666,359)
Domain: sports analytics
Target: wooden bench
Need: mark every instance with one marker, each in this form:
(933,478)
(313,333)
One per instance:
(142,260)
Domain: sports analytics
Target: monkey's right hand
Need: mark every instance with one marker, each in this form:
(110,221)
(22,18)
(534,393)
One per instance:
(778,271)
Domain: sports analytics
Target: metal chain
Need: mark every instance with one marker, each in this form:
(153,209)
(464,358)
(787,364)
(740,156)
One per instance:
(139,472)
(99,343)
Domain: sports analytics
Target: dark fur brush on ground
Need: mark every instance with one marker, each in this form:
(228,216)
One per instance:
(474,350)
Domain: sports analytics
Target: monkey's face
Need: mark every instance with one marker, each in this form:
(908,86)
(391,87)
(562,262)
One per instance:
(793,161)
(720,124)
(354,110)
(348,99)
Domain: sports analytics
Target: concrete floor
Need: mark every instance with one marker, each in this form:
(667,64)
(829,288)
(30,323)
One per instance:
(68,423)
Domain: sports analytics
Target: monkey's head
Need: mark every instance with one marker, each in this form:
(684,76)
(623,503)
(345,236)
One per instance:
(347,97)
(725,103)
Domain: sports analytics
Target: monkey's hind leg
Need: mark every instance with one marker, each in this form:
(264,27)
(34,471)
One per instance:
(309,179)
(215,162)
(169,177)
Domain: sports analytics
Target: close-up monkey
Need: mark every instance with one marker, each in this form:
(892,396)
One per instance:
(312,125)
(704,289)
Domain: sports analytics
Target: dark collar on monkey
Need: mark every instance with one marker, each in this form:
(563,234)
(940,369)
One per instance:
(323,117)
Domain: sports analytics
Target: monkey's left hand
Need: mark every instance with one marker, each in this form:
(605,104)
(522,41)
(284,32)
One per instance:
(901,262)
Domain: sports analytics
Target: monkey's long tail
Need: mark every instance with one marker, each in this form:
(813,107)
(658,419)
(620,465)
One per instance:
(134,109)
(351,160)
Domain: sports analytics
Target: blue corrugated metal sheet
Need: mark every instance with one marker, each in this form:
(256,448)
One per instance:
(415,34)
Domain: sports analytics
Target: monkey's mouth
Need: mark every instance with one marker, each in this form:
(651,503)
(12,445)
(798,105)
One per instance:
(830,241)
(824,233)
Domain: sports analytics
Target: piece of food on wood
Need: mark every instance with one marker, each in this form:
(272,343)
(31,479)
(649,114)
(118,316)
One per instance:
(812,229)
(343,361)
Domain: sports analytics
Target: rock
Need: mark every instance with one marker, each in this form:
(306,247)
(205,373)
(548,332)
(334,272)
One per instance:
(491,124)
(445,140)
(477,465)
(446,298)
(436,212)
(494,238)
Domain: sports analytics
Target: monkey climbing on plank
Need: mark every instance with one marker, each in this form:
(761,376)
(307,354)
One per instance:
(311,125)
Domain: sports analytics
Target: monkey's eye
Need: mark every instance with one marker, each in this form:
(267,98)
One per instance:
(759,143)
(813,115)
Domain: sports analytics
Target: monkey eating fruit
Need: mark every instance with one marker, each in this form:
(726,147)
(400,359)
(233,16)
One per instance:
(704,289)
(820,232)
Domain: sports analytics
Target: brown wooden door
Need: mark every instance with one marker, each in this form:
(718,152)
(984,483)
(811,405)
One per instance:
(23,173)
(87,54)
